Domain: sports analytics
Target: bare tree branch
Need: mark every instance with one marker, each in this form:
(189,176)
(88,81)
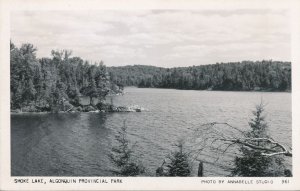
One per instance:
(216,140)
(286,153)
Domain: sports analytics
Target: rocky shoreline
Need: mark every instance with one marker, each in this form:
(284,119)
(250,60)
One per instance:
(99,108)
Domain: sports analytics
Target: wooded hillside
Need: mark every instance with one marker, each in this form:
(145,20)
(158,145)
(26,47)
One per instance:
(46,83)
(239,76)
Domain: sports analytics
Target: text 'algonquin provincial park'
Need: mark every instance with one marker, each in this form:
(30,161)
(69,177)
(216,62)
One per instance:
(87,119)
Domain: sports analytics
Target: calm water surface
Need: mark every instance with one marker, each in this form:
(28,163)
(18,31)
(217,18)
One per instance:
(78,144)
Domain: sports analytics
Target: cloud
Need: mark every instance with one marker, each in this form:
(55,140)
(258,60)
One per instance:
(157,37)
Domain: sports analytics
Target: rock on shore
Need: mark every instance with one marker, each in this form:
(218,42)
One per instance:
(100,107)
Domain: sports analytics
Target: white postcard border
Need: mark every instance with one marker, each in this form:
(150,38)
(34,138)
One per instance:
(146,183)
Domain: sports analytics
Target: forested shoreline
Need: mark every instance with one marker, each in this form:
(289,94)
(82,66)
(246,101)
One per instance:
(266,75)
(57,83)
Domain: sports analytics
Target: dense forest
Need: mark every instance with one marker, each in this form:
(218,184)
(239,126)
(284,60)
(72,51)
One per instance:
(46,84)
(238,76)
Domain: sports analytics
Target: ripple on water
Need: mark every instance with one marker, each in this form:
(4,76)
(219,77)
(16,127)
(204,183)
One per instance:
(78,144)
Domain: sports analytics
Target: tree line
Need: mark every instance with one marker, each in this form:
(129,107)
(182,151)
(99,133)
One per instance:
(43,84)
(264,75)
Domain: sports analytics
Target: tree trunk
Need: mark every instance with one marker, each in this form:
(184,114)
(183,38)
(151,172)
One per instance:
(91,100)
(200,169)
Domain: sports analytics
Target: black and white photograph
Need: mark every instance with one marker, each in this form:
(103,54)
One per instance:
(151,93)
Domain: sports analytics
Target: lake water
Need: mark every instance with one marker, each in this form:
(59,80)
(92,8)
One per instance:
(78,144)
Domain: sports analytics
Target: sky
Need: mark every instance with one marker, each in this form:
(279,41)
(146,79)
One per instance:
(166,38)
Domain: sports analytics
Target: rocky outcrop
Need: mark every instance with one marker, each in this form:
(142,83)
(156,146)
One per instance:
(68,107)
(134,108)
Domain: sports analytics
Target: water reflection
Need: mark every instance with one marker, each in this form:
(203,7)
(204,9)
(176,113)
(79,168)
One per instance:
(59,144)
(78,144)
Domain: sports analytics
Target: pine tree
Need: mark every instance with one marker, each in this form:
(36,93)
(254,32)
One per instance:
(252,163)
(122,156)
(258,124)
(177,163)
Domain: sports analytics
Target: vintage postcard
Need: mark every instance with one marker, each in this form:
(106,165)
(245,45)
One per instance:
(150,95)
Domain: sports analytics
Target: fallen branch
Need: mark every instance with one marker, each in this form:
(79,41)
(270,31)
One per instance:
(270,148)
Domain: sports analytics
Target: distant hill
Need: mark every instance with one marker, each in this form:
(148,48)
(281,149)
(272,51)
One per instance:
(266,75)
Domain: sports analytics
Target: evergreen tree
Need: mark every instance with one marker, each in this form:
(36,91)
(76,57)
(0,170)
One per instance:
(177,163)
(122,156)
(258,124)
(253,163)
(29,91)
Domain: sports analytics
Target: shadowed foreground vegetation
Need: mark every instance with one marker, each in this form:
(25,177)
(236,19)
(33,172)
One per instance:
(258,154)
